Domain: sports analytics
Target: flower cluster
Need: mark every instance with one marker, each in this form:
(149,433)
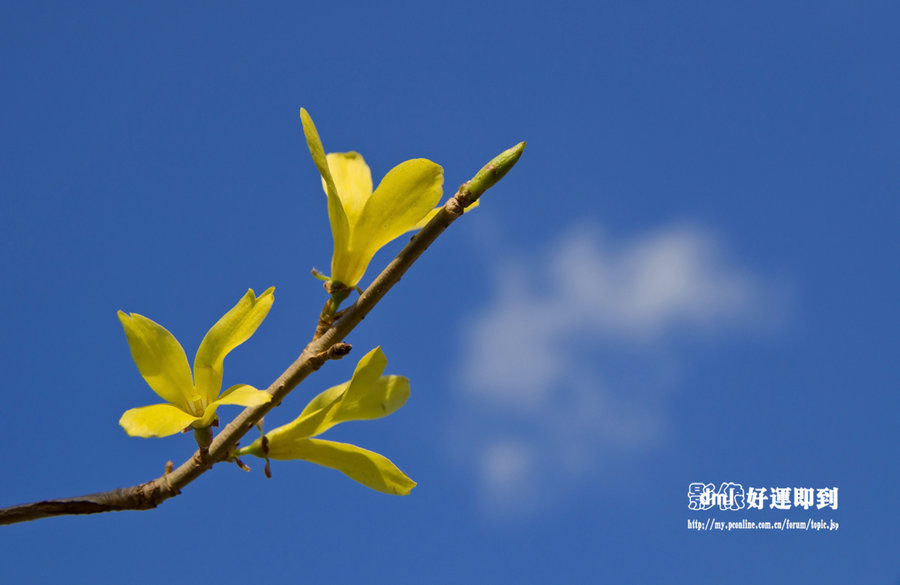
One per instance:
(367,395)
(363,221)
(191,401)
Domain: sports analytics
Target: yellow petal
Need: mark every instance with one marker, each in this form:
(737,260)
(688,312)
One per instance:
(240,395)
(340,228)
(367,467)
(363,397)
(424,221)
(159,358)
(233,329)
(368,369)
(311,421)
(335,405)
(244,395)
(385,396)
(353,181)
(158,420)
(369,394)
(314,143)
(405,195)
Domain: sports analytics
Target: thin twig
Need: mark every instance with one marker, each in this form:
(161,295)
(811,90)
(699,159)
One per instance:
(325,347)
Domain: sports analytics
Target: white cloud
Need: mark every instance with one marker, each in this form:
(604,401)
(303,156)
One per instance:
(566,365)
(507,468)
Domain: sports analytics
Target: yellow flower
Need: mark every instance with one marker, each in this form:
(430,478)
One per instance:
(192,400)
(368,395)
(362,222)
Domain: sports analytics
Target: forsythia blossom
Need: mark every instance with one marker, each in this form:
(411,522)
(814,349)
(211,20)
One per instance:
(363,221)
(191,400)
(368,395)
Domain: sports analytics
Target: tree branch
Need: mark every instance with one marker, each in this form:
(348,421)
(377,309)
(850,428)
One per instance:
(326,347)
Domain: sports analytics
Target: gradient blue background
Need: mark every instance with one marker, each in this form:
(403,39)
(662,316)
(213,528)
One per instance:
(151,160)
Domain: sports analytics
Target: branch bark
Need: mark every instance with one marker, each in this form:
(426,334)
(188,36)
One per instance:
(326,347)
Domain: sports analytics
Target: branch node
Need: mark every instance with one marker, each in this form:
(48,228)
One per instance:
(337,351)
(155,488)
(457,204)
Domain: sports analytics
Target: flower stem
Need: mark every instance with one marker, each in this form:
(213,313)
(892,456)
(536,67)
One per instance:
(339,292)
(204,437)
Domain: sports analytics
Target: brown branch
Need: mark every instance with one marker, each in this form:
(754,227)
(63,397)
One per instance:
(326,347)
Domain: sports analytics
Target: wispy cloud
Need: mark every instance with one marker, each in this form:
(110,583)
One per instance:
(565,366)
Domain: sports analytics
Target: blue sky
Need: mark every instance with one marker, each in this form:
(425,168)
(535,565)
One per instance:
(690,276)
